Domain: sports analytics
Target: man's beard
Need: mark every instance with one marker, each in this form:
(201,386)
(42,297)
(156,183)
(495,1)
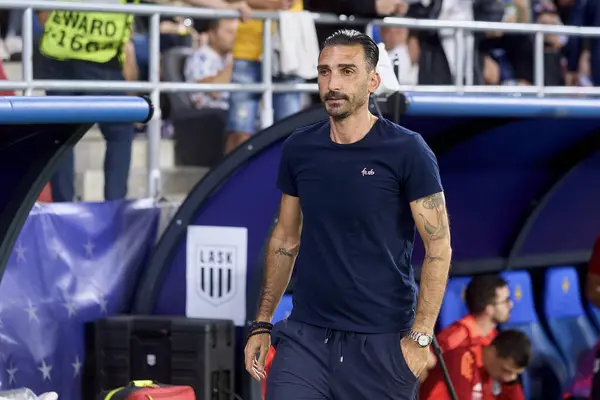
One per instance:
(342,111)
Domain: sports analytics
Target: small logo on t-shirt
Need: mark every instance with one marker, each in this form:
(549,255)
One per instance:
(367,172)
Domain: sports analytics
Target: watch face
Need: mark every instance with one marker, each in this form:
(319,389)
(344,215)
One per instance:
(424,340)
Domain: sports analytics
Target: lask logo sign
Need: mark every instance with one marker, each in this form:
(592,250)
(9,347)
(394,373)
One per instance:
(215,279)
(216,262)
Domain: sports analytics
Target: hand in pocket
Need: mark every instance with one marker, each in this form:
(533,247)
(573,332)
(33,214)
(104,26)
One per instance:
(414,355)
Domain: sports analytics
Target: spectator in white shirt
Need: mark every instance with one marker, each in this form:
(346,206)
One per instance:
(403,50)
(212,63)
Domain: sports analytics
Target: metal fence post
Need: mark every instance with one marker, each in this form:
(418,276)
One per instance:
(155,124)
(538,61)
(459,47)
(469,59)
(267,76)
(27,53)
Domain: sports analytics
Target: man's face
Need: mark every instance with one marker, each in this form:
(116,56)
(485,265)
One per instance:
(502,305)
(345,80)
(503,370)
(223,36)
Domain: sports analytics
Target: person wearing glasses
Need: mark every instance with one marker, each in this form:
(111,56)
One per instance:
(489,303)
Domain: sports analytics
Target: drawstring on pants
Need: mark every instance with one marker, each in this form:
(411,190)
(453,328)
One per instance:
(329,335)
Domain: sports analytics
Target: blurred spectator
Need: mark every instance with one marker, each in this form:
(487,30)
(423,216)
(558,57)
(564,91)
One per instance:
(508,58)
(514,53)
(11,43)
(212,63)
(564,8)
(477,372)
(404,52)
(174,31)
(489,303)
(81,53)
(583,13)
(547,14)
(488,300)
(437,48)
(130,68)
(585,71)
(238,5)
(362,8)
(247,53)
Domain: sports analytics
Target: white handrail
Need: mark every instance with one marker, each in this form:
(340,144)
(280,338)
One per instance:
(463,31)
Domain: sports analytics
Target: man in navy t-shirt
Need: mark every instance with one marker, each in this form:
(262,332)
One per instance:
(354,187)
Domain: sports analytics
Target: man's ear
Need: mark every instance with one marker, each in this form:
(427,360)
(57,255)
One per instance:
(374,82)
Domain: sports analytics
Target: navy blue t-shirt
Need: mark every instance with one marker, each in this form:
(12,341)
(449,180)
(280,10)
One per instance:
(353,271)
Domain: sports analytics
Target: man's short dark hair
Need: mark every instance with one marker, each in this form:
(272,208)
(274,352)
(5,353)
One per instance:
(481,292)
(351,37)
(513,345)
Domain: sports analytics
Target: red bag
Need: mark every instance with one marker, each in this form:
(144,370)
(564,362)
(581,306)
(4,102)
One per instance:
(148,390)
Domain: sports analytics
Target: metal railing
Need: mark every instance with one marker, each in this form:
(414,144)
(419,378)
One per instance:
(462,29)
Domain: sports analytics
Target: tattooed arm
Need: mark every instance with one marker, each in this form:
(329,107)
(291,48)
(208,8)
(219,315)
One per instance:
(282,252)
(431,218)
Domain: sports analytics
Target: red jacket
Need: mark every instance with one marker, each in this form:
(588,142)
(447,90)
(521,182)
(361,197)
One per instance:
(470,380)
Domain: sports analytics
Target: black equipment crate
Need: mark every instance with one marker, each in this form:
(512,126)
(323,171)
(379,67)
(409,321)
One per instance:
(172,350)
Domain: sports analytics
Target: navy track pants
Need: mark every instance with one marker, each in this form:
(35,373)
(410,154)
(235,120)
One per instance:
(315,363)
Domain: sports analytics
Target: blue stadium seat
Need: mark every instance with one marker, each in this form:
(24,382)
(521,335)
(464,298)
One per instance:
(547,375)
(595,314)
(453,306)
(283,309)
(567,321)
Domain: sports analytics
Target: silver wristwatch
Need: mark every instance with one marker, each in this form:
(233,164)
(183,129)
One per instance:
(422,339)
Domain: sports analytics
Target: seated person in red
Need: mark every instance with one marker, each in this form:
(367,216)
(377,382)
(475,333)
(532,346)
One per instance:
(489,304)
(481,372)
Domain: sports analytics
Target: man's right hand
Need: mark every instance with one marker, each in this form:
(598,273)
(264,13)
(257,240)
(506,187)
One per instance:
(244,9)
(387,7)
(257,344)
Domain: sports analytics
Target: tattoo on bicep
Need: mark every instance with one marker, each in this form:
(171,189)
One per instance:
(283,252)
(435,226)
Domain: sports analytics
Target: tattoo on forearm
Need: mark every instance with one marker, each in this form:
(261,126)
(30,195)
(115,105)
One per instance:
(283,252)
(277,273)
(434,274)
(434,227)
